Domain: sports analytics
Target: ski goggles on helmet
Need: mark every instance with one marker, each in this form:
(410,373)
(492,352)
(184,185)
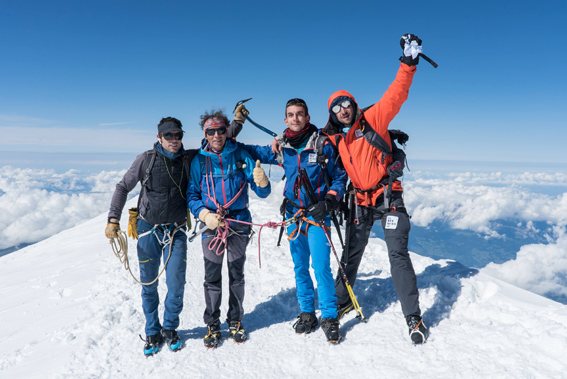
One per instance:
(344,104)
(173,136)
(211,131)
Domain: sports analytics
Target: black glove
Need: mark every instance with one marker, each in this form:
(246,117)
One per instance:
(401,137)
(322,208)
(395,170)
(411,45)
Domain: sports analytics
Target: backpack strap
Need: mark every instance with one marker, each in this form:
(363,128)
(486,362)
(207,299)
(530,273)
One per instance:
(373,138)
(149,164)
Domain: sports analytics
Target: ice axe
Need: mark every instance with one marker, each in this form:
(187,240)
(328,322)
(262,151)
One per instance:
(245,114)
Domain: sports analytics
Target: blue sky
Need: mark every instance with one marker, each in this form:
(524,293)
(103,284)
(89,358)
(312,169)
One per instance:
(97,76)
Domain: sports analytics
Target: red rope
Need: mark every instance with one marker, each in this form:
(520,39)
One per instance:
(271,225)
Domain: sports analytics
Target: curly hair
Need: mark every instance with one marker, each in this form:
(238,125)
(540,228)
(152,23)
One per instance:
(214,113)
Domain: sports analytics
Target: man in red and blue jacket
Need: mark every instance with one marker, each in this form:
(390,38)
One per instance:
(218,195)
(307,238)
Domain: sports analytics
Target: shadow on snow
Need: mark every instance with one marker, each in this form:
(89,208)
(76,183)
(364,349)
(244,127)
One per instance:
(375,295)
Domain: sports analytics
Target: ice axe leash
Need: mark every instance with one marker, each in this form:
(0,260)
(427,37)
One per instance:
(245,114)
(306,184)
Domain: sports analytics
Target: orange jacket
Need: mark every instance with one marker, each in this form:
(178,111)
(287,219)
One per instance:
(363,162)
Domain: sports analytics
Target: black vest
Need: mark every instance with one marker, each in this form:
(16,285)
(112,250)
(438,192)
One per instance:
(164,197)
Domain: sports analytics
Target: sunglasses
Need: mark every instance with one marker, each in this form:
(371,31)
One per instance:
(175,136)
(344,104)
(211,132)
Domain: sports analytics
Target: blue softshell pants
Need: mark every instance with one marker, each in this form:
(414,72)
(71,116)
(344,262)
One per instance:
(312,244)
(149,254)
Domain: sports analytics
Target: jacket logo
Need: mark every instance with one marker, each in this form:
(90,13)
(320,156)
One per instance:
(358,133)
(312,158)
(391,222)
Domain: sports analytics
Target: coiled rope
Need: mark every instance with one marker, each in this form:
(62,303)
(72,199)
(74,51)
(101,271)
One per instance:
(120,248)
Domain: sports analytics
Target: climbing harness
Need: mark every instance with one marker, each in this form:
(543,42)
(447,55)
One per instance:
(120,247)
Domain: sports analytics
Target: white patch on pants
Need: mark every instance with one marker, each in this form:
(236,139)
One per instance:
(391,222)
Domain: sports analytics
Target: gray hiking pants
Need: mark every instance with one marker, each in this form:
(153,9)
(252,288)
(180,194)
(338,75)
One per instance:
(236,257)
(396,226)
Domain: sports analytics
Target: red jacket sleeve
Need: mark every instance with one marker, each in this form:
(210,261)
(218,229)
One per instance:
(383,112)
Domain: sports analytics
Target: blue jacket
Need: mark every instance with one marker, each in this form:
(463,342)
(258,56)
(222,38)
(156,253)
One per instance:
(292,162)
(220,177)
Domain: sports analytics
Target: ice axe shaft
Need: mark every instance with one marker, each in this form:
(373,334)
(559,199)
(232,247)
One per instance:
(306,184)
(431,61)
(262,128)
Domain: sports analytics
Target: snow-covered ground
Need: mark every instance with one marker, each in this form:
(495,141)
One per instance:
(68,309)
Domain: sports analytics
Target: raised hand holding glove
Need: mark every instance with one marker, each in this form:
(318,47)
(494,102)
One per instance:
(112,228)
(321,209)
(411,45)
(212,220)
(395,170)
(133,223)
(259,175)
(239,114)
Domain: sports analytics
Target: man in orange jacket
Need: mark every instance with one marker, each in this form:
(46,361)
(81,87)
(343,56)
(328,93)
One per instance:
(367,153)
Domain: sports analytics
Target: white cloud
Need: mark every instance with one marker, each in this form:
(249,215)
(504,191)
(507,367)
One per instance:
(476,201)
(37,204)
(116,123)
(538,268)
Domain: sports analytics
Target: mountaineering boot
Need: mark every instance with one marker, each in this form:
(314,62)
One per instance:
(331,328)
(343,309)
(306,323)
(172,340)
(236,331)
(153,344)
(214,335)
(417,330)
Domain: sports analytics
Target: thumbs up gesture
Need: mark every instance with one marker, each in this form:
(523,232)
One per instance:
(260,177)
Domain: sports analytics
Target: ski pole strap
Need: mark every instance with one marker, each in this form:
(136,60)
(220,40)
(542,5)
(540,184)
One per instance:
(429,60)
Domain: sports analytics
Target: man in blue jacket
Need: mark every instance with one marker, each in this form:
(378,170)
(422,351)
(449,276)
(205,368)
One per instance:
(218,196)
(307,237)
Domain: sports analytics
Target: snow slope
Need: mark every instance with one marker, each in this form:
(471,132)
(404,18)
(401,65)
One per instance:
(68,309)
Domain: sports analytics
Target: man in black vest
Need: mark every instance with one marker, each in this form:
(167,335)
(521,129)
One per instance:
(161,226)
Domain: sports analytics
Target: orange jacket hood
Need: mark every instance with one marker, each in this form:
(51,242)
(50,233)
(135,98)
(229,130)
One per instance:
(333,126)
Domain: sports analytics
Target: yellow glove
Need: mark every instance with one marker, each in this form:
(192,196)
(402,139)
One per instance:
(239,114)
(212,220)
(260,177)
(133,223)
(112,228)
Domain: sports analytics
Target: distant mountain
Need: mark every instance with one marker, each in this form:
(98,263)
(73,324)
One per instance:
(440,241)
